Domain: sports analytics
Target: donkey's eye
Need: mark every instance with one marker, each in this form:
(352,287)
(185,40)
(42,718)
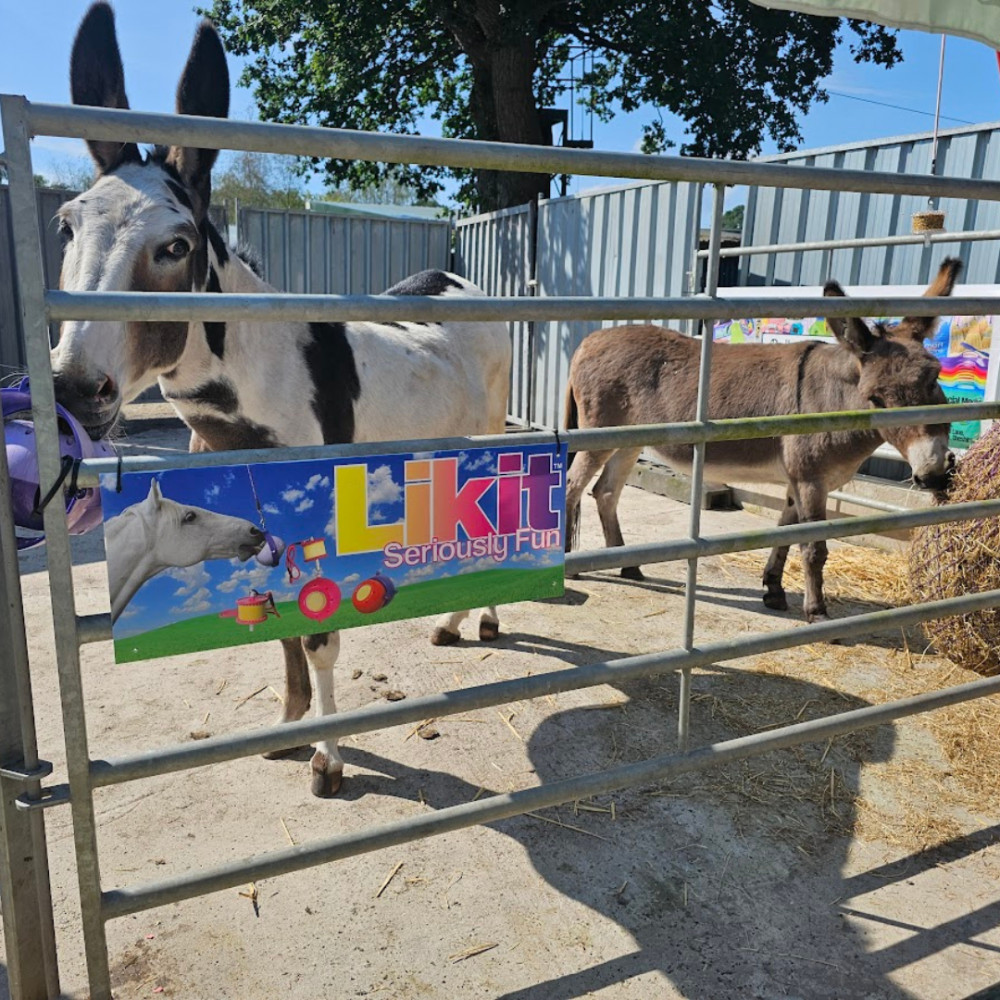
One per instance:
(65,231)
(175,250)
(877,401)
(189,517)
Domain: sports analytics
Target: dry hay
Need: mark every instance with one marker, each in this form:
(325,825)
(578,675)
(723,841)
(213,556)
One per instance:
(853,574)
(933,796)
(952,560)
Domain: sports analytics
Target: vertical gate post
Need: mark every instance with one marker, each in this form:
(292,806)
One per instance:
(31,285)
(25,899)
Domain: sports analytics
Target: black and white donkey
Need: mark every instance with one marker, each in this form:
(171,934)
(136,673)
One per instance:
(143,226)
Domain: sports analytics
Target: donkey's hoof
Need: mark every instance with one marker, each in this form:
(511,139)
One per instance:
(776,600)
(489,631)
(442,636)
(632,573)
(326,776)
(816,616)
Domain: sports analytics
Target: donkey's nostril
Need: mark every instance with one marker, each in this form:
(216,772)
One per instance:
(950,461)
(106,390)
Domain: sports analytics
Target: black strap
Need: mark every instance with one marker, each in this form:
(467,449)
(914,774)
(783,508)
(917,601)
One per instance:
(118,483)
(67,463)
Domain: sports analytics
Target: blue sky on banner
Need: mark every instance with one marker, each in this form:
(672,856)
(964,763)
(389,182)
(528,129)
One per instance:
(866,102)
(298,503)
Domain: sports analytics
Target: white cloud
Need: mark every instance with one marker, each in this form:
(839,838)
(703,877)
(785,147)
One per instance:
(292,495)
(317,481)
(353,578)
(479,462)
(253,577)
(304,505)
(382,488)
(270,508)
(212,494)
(197,603)
(191,578)
(417,573)
(487,562)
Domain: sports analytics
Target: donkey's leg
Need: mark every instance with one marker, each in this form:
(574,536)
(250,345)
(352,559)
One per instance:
(812,507)
(446,631)
(583,468)
(298,691)
(774,596)
(607,492)
(489,624)
(327,765)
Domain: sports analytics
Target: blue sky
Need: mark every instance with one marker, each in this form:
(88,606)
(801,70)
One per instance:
(35,43)
(297,502)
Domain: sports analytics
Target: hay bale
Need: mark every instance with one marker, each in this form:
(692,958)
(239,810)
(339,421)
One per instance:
(951,560)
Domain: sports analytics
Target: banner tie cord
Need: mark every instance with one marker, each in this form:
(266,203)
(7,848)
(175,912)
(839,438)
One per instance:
(67,463)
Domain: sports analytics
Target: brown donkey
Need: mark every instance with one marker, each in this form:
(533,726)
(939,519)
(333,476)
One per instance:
(647,374)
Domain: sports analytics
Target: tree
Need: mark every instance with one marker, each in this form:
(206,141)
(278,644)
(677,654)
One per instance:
(733,219)
(736,73)
(257,180)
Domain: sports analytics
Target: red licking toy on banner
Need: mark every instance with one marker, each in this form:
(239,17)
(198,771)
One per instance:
(373,594)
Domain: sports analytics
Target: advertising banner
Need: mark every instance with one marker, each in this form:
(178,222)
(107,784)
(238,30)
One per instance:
(204,558)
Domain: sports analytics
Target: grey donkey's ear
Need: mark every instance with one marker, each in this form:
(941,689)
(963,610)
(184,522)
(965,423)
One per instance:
(203,90)
(921,327)
(98,80)
(851,333)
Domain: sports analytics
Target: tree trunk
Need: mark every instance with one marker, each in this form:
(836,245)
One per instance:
(503,106)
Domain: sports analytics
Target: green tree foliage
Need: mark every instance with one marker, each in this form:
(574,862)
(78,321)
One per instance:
(257,180)
(733,219)
(737,74)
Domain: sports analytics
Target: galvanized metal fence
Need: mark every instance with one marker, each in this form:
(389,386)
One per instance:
(100,904)
(311,252)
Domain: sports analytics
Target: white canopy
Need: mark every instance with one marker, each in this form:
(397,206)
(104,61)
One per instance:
(977,19)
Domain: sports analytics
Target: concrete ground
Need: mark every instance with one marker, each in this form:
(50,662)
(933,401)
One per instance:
(866,868)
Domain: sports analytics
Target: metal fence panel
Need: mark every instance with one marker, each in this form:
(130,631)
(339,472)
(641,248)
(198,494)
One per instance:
(788,216)
(630,240)
(309,253)
(495,251)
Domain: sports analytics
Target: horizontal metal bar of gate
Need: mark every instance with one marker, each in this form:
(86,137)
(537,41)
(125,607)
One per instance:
(790,534)
(592,439)
(308,140)
(97,628)
(121,902)
(858,242)
(226,307)
(292,734)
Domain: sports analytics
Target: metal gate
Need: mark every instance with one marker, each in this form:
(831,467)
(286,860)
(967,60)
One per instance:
(27,912)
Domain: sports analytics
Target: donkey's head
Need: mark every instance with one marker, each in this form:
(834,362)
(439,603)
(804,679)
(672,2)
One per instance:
(142,226)
(895,369)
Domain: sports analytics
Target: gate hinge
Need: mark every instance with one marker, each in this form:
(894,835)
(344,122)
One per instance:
(53,795)
(22,774)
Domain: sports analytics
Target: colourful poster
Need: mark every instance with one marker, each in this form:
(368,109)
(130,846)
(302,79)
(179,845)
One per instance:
(205,558)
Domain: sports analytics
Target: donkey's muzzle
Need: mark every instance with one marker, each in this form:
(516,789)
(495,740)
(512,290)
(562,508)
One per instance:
(96,403)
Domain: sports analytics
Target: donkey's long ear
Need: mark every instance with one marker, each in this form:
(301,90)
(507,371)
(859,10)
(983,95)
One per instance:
(204,91)
(154,492)
(96,78)
(921,327)
(851,333)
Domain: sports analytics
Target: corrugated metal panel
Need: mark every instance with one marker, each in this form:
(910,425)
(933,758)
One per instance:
(494,250)
(310,253)
(632,240)
(12,357)
(775,216)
